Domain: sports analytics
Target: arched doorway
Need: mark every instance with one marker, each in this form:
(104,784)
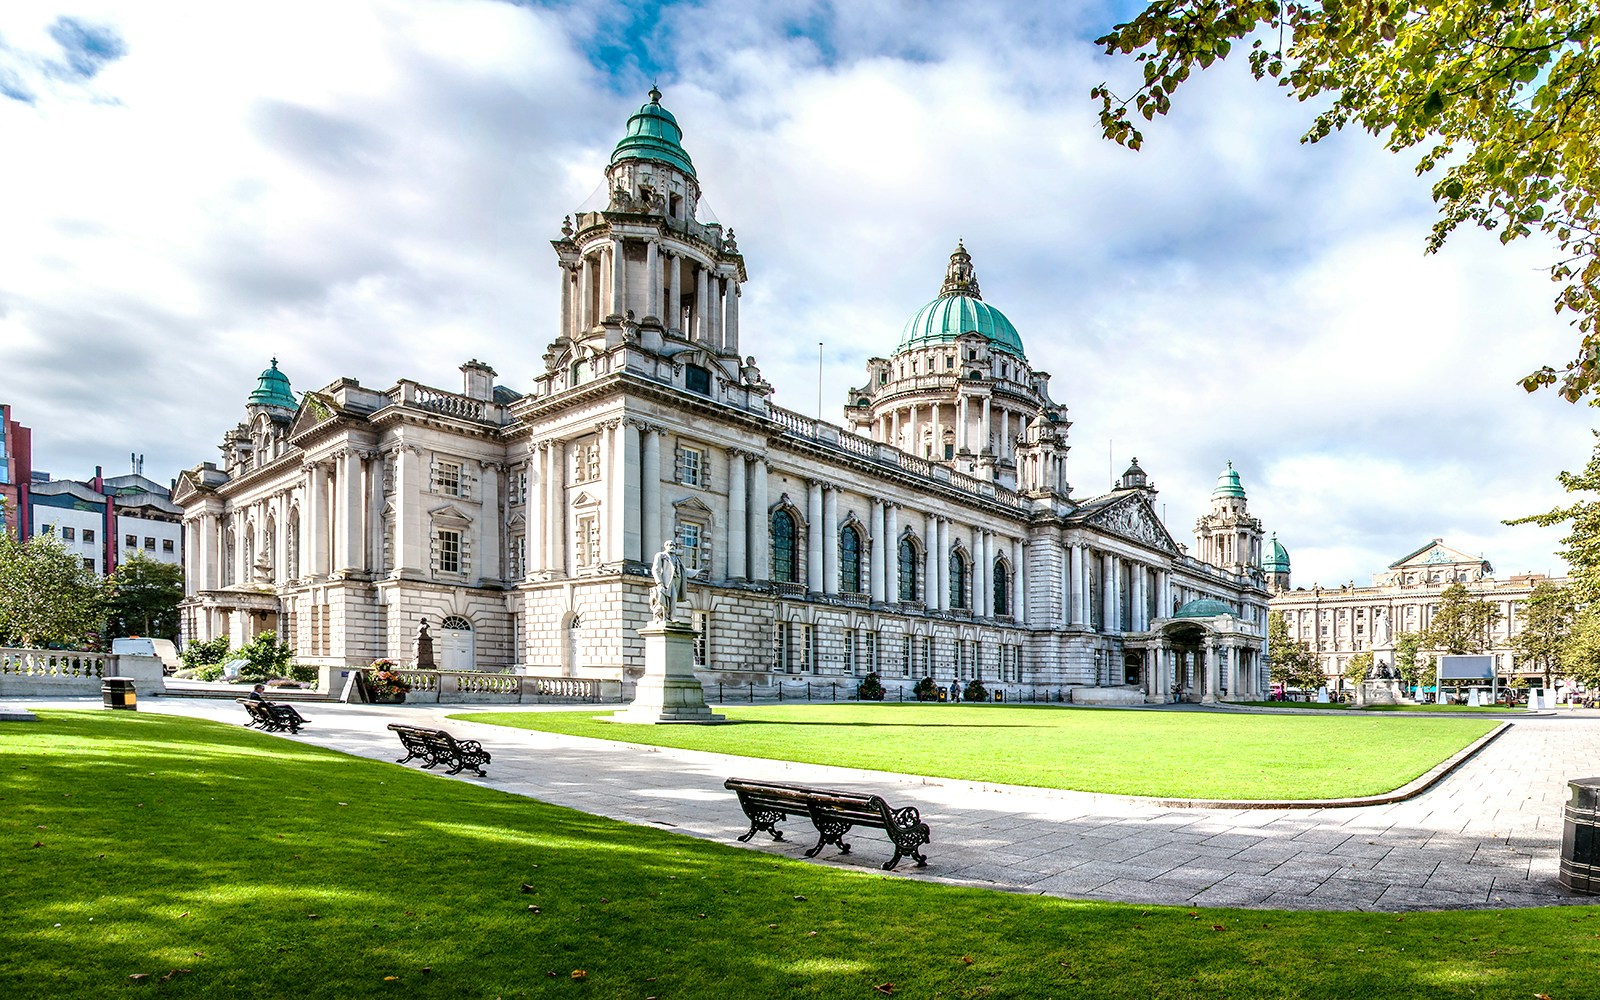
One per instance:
(453,644)
(574,637)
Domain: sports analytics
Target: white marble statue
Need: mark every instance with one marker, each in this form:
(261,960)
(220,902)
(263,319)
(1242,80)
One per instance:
(671,583)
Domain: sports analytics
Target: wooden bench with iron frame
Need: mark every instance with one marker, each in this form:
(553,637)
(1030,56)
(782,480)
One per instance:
(435,746)
(833,813)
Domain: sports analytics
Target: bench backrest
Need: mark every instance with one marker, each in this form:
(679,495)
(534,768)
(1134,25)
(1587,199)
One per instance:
(850,806)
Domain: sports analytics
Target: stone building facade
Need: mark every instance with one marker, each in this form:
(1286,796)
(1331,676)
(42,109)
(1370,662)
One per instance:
(1339,622)
(932,533)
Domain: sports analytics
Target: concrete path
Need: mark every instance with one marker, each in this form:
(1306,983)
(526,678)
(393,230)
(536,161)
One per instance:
(1487,836)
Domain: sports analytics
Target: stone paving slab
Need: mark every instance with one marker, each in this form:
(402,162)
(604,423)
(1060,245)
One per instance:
(1487,835)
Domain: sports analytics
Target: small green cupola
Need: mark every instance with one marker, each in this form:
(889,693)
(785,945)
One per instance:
(1204,607)
(1228,484)
(653,134)
(272,389)
(1277,558)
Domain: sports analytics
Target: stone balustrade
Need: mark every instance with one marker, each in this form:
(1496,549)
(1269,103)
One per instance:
(468,686)
(73,672)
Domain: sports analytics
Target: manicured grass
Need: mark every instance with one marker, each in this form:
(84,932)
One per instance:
(1202,755)
(1431,709)
(266,868)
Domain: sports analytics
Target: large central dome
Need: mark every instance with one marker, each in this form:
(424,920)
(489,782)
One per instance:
(960,309)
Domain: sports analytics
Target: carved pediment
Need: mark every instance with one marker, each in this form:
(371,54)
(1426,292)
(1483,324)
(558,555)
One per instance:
(314,410)
(1134,520)
(692,506)
(585,500)
(449,512)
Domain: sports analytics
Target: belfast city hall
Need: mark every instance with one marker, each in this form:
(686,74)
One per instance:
(931,532)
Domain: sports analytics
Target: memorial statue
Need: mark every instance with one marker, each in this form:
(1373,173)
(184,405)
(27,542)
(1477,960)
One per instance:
(671,583)
(1381,637)
(424,647)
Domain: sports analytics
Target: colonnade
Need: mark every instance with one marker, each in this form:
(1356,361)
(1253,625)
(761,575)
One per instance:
(996,429)
(1084,566)
(601,284)
(1220,664)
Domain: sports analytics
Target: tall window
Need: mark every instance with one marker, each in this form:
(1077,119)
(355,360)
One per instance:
(958,580)
(850,650)
(585,460)
(695,541)
(808,648)
(908,569)
(850,560)
(587,552)
(447,478)
(780,646)
(785,565)
(702,637)
(691,466)
(449,551)
(906,650)
(1002,589)
(870,640)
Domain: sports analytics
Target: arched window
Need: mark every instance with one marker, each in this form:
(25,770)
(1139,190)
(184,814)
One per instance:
(908,569)
(850,560)
(958,580)
(785,566)
(1002,589)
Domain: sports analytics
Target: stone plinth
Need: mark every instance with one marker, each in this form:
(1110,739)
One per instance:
(1381,692)
(668,692)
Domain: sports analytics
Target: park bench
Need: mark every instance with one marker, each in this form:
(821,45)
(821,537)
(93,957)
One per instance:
(272,716)
(435,746)
(833,813)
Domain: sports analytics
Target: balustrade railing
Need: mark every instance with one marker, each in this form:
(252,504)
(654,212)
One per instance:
(450,404)
(445,683)
(64,663)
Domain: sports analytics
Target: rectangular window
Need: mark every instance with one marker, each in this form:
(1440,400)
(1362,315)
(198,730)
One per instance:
(702,637)
(808,648)
(128,541)
(50,529)
(780,646)
(927,656)
(68,535)
(149,543)
(88,564)
(449,551)
(166,545)
(977,659)
(850,650)
(872,651)
(587,551)
(961,658)
(691,466)
(519,488)
(905,656)
(692,540)
(585,460)
(517,557)
(447,478)
(88,535)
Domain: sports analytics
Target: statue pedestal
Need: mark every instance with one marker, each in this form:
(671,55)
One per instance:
(1381,692)
(668,692)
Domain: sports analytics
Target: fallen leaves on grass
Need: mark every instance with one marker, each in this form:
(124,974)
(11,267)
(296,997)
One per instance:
(885,988)
(169,977)
(801,899)
(527,888)
(139,977)
(579,974)
(966,959)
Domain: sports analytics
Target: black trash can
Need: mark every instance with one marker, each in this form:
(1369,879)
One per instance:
(118,692)
(1580,837)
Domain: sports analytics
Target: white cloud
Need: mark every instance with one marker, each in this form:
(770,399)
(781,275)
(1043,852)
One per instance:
(366,189)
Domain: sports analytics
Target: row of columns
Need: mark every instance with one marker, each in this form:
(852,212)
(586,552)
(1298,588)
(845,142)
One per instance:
(1221,664)
(1084,563)
(597,286)
(902,427)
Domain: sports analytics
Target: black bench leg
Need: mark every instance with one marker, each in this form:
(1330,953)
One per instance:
(763,819)
(832,832)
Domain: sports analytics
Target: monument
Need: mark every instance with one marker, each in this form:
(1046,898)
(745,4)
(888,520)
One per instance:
(1382,683)
(668,692)
(424,650)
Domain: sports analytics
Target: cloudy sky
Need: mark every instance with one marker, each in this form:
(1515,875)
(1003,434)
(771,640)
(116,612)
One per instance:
(365,188)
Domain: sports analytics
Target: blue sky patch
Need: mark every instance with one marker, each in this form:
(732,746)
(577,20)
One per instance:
(87,47)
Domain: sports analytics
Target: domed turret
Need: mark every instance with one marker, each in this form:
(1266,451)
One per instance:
(653,134)
(1228,484)
(272,389)
(1276,566)
(960,309)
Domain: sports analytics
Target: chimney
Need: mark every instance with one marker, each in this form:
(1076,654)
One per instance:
(477,380)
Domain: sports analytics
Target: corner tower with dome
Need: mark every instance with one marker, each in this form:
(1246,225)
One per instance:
(931,532)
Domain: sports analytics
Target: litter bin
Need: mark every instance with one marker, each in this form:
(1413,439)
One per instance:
(117,692)
(999,695)
(1580,838)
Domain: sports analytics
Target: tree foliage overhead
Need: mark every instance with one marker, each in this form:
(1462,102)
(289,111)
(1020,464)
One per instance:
(1501,97)
(1462,622)
(1408,660)
(1293,663)
(47,597)
(144,599)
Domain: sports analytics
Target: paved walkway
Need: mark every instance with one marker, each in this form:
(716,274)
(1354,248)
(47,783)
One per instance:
(1489,835)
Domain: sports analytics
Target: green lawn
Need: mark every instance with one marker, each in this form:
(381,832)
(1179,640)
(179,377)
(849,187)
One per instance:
(241,864)
(1347,707)
(1170,754)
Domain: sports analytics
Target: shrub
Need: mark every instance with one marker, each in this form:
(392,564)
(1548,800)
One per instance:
(205,653)
(871,688)
(265,658)
(304,673)
(925,690)
(975,691)
(208,672)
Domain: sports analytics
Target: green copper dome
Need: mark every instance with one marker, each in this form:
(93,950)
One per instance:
(1204,607)
(653,134)
(1278,561)
(272,389)
(960,309)
(1228,484)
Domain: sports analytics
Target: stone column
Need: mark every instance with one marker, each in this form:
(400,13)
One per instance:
(963,410)
(674,320)
(206,577)
(318,490)
(1075,600)
(988,428)
(1108,593)
(652,270)
(374,532)
(891,552)
(930,561)
(623,494)
(349,508)
(583,313)
(1019,597)
(619,278)
(1213,680)
(556,508)
(760,523)
(730,332)
(714,291)
(830,540)
(650,512)
(736,558)
(814,533)
(538,509)
(568,293)
(879,547)
(943,566)
(980,574)
(491,550)
(702,295)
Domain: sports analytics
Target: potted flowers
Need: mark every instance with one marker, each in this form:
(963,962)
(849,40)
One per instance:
(385,682)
